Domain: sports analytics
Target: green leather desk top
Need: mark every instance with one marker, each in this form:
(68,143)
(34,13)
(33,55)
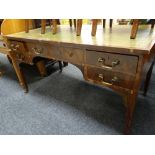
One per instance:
(118,37)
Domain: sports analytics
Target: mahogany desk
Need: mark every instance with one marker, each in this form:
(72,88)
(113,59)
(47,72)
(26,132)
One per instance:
(110,59)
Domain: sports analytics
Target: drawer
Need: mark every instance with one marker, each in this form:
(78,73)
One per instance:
(21,57)
(110,78)
(17,46)
(72,55)
(110,61)
(43,50)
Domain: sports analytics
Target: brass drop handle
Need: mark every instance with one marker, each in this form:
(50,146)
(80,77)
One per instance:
(14,47)
(103,82)
(103,65)
(101,76)
(114,79)
(37,50)
(101,60)
(115,63)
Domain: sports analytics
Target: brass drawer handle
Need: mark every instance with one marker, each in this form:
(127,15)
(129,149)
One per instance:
(101,76)
(103,65)
(114,79)
(37,51)
(115,63)
(101,60)
(103,82)
(15,47)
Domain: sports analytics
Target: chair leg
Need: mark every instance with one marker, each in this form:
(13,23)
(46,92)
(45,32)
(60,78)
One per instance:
(152,25)
(94,27)
(104,22)
(41,68)
(79,27)
(26,25)
(65,64)
(70,22)
(134,29)
(74,23)
(43,26)
(60,66)
(111,21)
(54,26)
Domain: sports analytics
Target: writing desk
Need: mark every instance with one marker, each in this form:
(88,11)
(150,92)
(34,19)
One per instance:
(110,59)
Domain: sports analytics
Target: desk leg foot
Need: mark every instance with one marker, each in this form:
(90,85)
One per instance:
(20,76)
(130,100)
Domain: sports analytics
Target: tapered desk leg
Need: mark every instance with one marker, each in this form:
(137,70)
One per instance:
(79,27)
(41,68)
(134,28)
(26,25)
(20,76)
(94,27)
(148,77)
(104,22)
(54,26)
(43,26)
(70,22)
(130,102)
(111,21)
(9,59)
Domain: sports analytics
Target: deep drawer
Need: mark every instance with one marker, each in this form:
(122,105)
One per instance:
(111,78)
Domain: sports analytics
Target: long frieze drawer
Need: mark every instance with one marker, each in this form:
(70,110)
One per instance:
(111,61)
(17,46)
(73,55)
(111,78)
(43,50)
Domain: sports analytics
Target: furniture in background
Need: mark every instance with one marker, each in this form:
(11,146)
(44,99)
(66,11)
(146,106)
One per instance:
(116,63)
(136,23)
(134,29)
(51,22)
(10,26)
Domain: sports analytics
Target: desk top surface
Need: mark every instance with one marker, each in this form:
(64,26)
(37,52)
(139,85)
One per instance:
(118,37)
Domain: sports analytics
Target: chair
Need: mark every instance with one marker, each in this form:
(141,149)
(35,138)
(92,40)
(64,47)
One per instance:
(54,23)
(134,29)
(10,26)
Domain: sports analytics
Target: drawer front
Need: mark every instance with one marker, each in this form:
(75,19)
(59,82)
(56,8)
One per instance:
(17,46)
(22,57)
(43,50)
(110,61)
(72,55)
(111,78)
